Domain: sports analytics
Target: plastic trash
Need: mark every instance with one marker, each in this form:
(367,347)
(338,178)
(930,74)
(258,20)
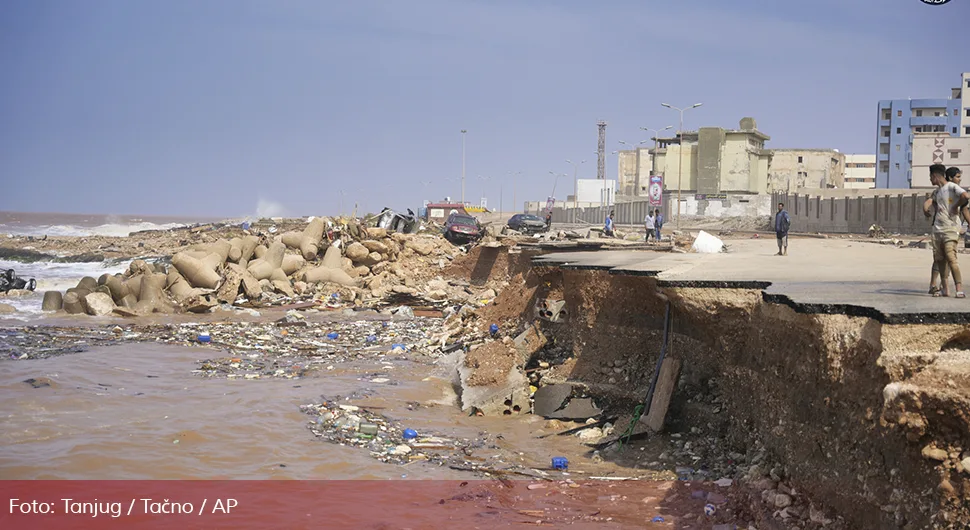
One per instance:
(493,329)
(707,244)
(709,509)
(657,519)
(246,225)
(560,462)
(204,337)
(397,345)
(335,296)
(371,338)
(409,434)
(333,335)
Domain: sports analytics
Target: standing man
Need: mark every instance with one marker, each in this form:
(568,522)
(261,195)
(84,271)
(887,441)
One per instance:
(658,222)
(782,224)
(649,225)
(947,201)
(608,229)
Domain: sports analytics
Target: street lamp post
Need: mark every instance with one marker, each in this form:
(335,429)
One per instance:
(575,186)
(463,131)
(680,165)
(515,175)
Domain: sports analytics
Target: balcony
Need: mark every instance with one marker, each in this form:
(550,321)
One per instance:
(884,139)
(927,120)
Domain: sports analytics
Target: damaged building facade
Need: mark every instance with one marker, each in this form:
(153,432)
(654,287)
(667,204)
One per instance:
(792,169)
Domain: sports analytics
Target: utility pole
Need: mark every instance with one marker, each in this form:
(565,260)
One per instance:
(515,175)
(463,131)
(680,165)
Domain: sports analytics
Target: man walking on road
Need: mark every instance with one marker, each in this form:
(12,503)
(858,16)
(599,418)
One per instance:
(648,223)
(658,222)
(608,229)
(782,224)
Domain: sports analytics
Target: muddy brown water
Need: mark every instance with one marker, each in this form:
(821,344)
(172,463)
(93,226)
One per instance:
(136,411)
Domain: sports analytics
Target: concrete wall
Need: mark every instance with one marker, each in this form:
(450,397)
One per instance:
(791,169)
(964,97)
(633,212)
(744,164)
(710,143)
(671,163)
(854,213)
(929,149)
(627,171)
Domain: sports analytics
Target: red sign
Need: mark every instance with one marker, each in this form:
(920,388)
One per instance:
(656,190)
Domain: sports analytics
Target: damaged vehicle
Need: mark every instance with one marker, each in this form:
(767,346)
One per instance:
(527,224)
(462,228)
(397,222)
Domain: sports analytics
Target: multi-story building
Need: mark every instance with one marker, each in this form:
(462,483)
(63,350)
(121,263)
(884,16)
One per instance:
(900,119)
(715,160)
(860,172)
(792,169)
(938,148)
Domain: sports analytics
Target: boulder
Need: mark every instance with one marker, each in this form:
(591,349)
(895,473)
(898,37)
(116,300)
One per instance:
(375,232)
(98,304)
(376,246)
(371,259)
(420,246)
(356,252)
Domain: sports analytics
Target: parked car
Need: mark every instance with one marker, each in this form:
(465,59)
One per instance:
(527,224)
(462,228)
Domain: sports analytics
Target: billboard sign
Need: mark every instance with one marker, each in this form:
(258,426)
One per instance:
(656,190)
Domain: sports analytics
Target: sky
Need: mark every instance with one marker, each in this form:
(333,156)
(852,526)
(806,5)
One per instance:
(308,107)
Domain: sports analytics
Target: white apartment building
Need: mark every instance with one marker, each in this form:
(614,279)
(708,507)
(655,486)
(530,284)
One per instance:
(860,172)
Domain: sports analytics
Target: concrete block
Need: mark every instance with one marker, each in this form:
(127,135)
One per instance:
(53,301)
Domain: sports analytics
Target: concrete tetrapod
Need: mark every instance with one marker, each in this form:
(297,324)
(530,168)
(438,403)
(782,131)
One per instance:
(53,301)
(292,263)
(118,288)
(263,268)
(330,270)
(242,249)
(152,298)
(308,241)
(180,288)
(199,273)
(72,303)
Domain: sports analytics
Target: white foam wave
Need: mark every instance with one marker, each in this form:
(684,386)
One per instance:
(111,229)
(53,277)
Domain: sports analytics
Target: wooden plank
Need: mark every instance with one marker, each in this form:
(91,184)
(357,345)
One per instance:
(666,384)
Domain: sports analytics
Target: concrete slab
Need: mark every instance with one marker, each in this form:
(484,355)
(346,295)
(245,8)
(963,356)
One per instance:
(817,276)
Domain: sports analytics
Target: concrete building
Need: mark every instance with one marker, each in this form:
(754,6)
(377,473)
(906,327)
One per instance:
(791,169)
(715,160)
(860,172)
(938,148)
(899,119)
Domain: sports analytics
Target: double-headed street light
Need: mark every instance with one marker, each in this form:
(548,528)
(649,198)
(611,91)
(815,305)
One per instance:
(680,165)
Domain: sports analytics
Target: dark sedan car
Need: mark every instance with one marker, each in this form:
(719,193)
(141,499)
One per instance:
(527,224)
(462,228)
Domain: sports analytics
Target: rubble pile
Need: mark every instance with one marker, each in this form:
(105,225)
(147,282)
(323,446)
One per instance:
(361,265)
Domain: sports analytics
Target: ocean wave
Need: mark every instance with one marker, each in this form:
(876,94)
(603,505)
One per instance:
(110,229)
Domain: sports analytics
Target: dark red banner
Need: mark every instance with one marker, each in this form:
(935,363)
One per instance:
(341,504)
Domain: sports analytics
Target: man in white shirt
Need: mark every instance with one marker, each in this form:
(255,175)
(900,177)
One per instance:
(945,206)
(648,222)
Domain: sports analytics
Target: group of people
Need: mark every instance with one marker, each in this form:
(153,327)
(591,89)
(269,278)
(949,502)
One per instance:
(9,281)
(947,206)
(653,223)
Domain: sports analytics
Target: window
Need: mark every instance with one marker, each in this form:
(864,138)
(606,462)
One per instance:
(954,130)
(897,147)
(799,160)
(897,165)
(968,112)
(899,113)
(919,113)
(885,133)
(937,113)
(885,115)
(968,83)
(966,130)
(954,154)
(899,130)
(918,129)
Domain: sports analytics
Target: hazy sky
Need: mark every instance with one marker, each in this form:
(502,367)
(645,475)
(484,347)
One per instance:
(209,107)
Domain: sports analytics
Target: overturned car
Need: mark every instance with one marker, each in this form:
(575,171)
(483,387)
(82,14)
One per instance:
(398,222)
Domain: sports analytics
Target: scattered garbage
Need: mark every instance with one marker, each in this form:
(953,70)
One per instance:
(409,434)
(204,337)
(493,329)
(333,335)
(709,509)
(560,463)
(657,519)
